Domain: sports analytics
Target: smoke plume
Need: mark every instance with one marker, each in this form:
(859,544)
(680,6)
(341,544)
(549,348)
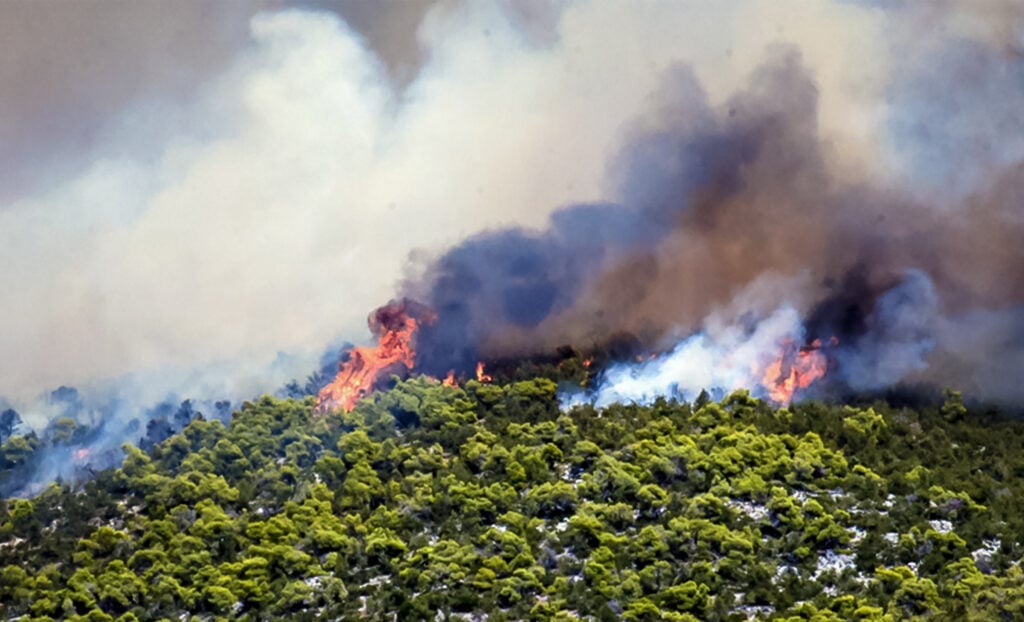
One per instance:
(193,206)
(714,198)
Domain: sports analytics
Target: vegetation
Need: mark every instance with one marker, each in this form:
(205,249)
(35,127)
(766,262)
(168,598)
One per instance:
(488,501)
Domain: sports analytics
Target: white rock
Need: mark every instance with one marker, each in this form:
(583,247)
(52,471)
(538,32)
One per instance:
(941,525)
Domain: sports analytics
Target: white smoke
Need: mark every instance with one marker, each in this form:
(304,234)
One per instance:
(276,206)
(278,203)
(718,359)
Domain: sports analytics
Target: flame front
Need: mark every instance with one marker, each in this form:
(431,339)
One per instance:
(796,368)
(480,375)
(395,324)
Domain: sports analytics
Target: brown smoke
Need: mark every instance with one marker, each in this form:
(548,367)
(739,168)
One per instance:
(728,196)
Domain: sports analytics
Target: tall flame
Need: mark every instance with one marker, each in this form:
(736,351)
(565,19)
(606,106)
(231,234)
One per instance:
(480,375)
(395,325)
(796,368)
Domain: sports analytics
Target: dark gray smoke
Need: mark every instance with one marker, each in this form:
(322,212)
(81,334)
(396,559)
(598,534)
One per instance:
(516,278)
(194,200)
(715,200)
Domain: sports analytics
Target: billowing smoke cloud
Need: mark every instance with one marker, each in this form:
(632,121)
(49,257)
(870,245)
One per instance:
(729,193)
(72,71)
(269,203)
(897,337)
(253,204)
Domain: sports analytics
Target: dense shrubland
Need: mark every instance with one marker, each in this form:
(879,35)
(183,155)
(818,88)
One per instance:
(489,502)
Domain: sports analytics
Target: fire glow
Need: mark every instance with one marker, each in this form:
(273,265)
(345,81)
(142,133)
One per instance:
(796,368)
(762,357)
(395,325)
(696,362)
(480,375)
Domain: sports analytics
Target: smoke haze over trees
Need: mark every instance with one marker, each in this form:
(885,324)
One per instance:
(196,208)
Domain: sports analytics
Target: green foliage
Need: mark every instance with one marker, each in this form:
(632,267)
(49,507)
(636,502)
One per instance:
(430,502)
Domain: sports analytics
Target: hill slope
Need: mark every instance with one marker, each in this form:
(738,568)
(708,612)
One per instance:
(489,502)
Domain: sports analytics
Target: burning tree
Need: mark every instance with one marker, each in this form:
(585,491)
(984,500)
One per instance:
(395,325)
(796,368)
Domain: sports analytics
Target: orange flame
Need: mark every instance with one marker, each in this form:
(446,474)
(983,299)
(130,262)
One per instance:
(395,325)
(82,454)
(796,368)
(449,380)
(480,375)
(587,362)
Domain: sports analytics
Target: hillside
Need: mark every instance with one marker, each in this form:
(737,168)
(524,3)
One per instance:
(487,501)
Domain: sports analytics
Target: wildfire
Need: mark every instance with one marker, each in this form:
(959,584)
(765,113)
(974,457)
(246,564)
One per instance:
(81,454)
(449,380)
(395,325)
(796,368)
(480,375)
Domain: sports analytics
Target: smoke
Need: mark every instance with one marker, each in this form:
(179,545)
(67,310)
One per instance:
(897,336)
(194,203)
(290,188)
(197,218)
(726,194)
(76,74)
(955,100)
(272,190)
(716,358)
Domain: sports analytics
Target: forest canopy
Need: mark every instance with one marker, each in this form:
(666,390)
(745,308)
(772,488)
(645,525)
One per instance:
(489,501)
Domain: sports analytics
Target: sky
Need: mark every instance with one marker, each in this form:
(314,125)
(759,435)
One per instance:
(203,196)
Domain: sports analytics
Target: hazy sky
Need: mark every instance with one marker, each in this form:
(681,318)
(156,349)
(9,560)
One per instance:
(205,185)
